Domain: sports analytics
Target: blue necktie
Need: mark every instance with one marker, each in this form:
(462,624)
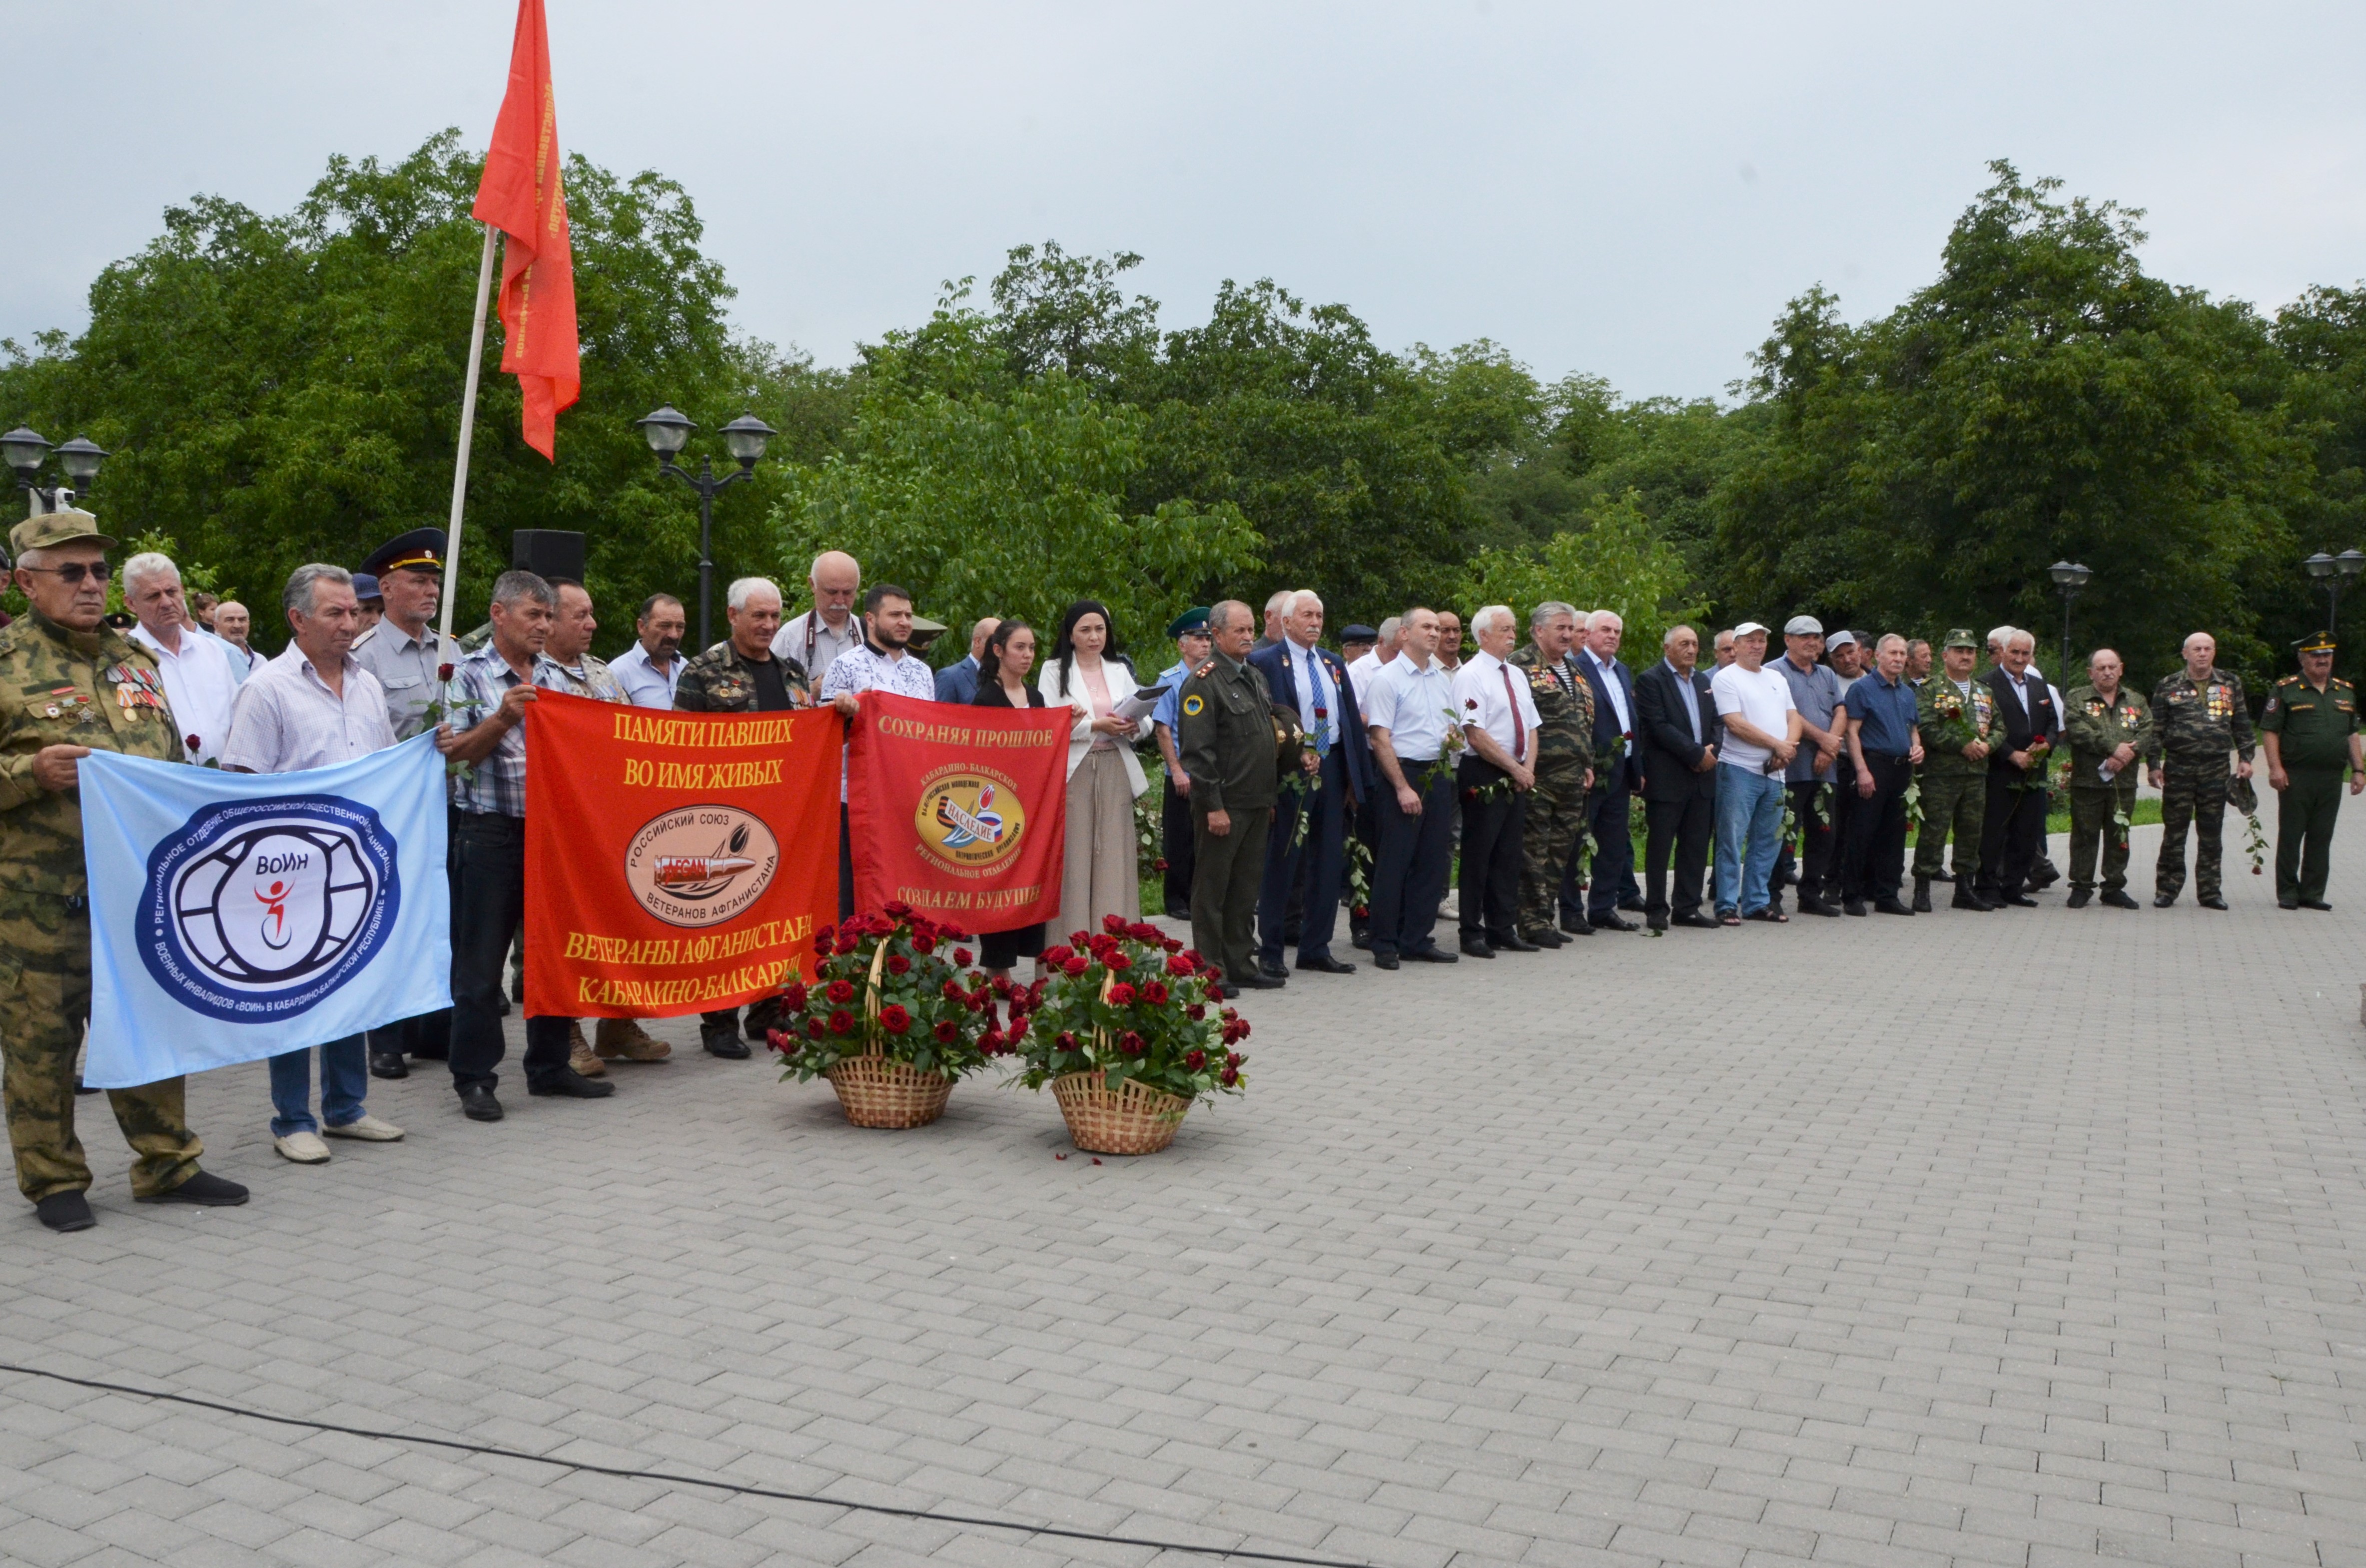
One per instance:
(1321,709)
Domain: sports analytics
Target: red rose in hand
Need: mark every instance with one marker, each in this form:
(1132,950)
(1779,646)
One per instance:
(1120,995)
(443,671)
(898,965)
(190,741)
(1075,967)
(841,991)
(894,1019)
(841,1022)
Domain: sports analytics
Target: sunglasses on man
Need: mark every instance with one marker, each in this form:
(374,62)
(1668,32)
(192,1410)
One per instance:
(73,571)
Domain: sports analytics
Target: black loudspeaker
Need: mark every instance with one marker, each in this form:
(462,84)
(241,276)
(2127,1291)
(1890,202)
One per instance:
(547,552)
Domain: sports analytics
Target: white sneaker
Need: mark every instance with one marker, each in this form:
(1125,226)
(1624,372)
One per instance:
(304,1149)
(369,1129)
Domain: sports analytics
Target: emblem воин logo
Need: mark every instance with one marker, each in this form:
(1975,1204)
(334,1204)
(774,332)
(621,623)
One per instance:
(969,817)
(256,910)
(700,865)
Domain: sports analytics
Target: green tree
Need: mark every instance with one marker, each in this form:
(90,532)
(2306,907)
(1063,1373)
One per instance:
(1616,559)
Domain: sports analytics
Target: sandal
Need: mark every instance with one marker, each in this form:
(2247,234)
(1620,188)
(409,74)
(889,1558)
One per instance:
(1770,914)
(1729,919)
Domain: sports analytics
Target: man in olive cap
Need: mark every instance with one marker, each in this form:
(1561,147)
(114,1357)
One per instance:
(1955,718)
(82,688)
(2310,733)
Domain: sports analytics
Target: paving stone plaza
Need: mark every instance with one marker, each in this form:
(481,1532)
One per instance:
(2023,1238)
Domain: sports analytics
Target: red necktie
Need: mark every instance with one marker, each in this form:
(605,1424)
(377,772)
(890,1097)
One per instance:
(1519,730)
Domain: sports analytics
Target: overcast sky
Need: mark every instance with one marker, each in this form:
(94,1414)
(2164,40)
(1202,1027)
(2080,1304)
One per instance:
(1632,190)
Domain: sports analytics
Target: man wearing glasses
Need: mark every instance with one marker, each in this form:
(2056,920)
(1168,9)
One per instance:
(74,687)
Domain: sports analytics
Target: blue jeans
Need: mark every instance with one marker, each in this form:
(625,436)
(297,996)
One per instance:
(1749,814)
(344,1077)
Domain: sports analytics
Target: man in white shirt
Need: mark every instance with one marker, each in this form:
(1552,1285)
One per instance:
(1499,720)
(1364,666)
(651,667)
(232,623)
(885,663)
(200,678)
(314,708)
(1761,735)
(818,638)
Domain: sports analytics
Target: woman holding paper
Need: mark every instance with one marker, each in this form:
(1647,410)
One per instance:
(1088,674)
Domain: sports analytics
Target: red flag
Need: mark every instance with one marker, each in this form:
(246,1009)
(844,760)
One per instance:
(520,195)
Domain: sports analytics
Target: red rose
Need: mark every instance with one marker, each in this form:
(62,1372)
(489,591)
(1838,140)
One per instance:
(1114,924)
(1171,945)
(1234,1061)
(841,991)
(1145,932)
(1120,995)
(894,1019)
(1179,966)
(776,1039)
(946,1031)
(1129,1042)
(961,956)
(841,1022)
(1195,1011)
(1064,1040)
(1080,938)
(813,1029)
(1361,912)
(443,671)
(1229,1076)
(926,941)
(1195,1060)
(190,741)
(1154,993)
(952,991)
(898,965)
(1054,957)
(1119,960)
(1159,864)
(1018,1025)
(822,936)
(1195,955)
(1075,967)
(990,1043)
(793,995)
(898,909)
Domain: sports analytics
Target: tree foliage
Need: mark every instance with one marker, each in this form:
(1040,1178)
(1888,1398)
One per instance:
(1615,560)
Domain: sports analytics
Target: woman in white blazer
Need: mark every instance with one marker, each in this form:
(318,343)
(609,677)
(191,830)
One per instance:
(1087,672)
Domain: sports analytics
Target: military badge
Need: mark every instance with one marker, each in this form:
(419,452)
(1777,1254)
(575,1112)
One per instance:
(1194,706)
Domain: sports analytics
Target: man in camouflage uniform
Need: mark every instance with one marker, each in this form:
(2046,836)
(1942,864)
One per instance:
(2198,714)
(2310,728)
(2106,726)
(742,674)
(73,686)
(1955,772)
(1556,815)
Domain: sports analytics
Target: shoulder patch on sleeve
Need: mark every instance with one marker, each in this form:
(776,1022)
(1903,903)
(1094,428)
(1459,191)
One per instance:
(1194,706)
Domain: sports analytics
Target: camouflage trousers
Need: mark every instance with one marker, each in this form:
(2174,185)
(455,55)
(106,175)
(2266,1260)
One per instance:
(2192,793)
(1951,800)
(42,1006)
(1555,819)
(2092,812)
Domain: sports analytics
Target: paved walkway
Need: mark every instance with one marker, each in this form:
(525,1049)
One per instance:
(2018,1238)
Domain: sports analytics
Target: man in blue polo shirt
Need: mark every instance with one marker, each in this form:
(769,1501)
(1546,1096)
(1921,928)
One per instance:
(1884,750)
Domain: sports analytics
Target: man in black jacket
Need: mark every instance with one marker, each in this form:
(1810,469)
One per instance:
(2014,829)
(1675,720)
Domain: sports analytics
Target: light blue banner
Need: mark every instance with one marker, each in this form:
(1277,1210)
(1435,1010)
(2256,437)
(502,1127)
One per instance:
(235,915)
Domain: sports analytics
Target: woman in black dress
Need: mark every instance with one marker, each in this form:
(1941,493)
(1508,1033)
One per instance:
(1002,683)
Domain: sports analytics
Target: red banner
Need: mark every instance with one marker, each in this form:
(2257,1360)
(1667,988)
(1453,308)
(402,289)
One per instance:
(521,195)
(960,812)
(675,862)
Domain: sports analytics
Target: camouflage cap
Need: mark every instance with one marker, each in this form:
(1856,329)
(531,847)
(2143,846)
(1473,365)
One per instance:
(65,527)
(1960,636)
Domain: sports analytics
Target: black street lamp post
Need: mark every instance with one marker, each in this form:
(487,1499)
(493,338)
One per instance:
(2333,571)
(667,431)
(26,451)
(2069,577)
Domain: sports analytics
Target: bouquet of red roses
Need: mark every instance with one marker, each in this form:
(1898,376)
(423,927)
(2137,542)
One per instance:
(893,985)
(1133,1004)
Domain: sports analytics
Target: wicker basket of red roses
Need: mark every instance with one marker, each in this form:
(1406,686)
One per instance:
(1130,1033)
(888,1019)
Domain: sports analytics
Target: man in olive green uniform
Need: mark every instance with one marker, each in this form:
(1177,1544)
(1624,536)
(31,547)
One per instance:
(2310,728)
(1556,813)
(2106,726)
(1225,735)
(1955,718)
(71,685)
(2198,714)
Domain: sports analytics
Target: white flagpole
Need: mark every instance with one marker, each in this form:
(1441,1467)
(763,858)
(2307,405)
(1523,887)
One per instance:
(468,430)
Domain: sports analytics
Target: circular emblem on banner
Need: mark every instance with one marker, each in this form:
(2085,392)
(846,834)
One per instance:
(257,910)
(700,865)
(969,817)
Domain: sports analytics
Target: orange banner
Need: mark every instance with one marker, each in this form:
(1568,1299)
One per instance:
(675,862)
(960,812)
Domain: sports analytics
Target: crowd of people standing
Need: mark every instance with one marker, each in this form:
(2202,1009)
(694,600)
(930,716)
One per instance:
(1299,779)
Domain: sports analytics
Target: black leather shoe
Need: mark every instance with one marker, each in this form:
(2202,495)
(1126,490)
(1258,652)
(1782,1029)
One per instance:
(1363,941)
(1521,944)
(1432,955)
(1575,928)
(2118,899)
(1634,905)
(2020,900)
(1698,920)
(1226,991)
(2212,901)
(1611,922)
(1546,938)
(1854,906)
(1655,923)
(2314,904)
(1921,895)
(1942,876)
(1327,964)
(1817,906)
(478,1104)
(1384,961)
(722,1043)
(2163,900)
(1263,982)
(1892,906)
(1272,970)
(505,1006)
(2289,901)
(65,1211)
(568,1084)
(389,1065)
(1966,898)
(2077,899)
(1477,950)
(206,1191)
(1175,914)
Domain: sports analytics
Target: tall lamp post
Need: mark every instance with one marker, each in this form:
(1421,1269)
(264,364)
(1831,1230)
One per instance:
(26,451)
(2333,571)
(2069,577)
(667,431)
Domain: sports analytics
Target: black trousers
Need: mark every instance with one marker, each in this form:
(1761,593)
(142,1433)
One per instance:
(1410,867)
(845,867)
(1872,861)
(1813,869)
(488,901)
(1298,902)
(1685,829)
(1491,829)
(1175,841)
(2011,834)
(1613,871)
(1844,805)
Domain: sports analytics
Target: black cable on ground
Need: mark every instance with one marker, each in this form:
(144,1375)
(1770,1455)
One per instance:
(931,1515)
